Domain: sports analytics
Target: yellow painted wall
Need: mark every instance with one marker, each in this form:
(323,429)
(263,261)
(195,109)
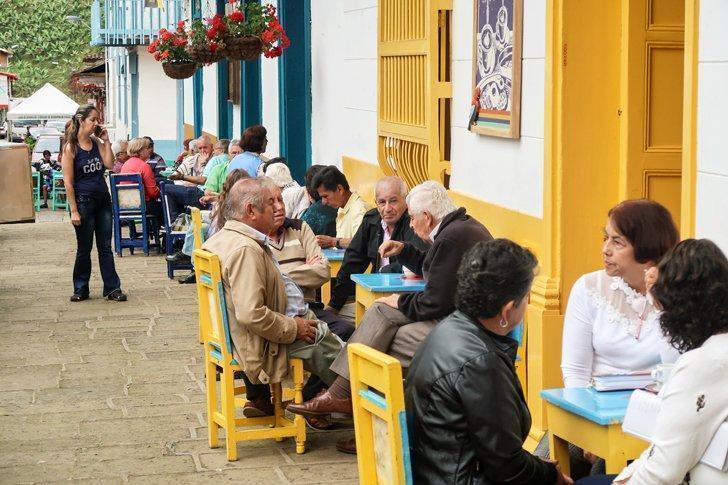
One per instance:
(189,132)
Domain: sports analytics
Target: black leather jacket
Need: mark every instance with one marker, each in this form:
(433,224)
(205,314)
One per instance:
(466,412)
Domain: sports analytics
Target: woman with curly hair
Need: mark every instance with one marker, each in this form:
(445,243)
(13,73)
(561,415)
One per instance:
(467,413)
(691,288)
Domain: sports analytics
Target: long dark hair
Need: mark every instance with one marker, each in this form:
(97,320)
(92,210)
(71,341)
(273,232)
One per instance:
(217,213)
(692,289)
(72,128)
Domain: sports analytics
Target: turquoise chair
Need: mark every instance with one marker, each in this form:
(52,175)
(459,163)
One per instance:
(37,181)
(58,193)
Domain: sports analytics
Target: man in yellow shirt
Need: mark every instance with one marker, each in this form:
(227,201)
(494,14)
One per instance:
(334,190)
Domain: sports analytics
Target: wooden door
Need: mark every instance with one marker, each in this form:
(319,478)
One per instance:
(651,92)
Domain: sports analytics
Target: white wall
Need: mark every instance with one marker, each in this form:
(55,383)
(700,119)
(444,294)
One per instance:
(209,99)
(344,80)
(505,172)
(269,96)
(157,99)
(189,104)
(712,178)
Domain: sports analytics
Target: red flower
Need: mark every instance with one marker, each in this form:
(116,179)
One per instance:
(273,52)
(268,37)
(237,16)
(157,56)
(180,41)
(165,54)
(213,46)
(181,26)
(166,35)
(212,33)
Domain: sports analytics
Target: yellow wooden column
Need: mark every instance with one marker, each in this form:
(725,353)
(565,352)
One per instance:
(690,123)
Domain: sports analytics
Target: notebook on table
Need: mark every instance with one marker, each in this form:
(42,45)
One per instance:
(623,382)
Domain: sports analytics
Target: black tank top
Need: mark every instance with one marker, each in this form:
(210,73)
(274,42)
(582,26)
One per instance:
(88,172)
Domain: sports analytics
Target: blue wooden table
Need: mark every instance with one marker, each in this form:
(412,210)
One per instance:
(591,420)
(335,257)
(371,286)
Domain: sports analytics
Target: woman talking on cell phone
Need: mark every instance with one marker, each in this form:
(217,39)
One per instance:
(85,156)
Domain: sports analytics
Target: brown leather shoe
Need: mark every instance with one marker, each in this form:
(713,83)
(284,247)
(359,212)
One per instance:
(258,408)
(322,405)
(347,446)
(318,423)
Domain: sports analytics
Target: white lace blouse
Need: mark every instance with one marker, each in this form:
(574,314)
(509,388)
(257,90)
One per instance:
(609,328)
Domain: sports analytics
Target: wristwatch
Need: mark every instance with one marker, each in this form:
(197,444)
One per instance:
(338,243)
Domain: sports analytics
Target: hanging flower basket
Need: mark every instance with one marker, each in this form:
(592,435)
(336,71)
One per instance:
(203,54)
(245,48)
(179,70)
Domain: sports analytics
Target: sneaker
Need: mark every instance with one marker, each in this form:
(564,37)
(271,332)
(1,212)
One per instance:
(189,279)
(116,295)
(178,257)
(78,297)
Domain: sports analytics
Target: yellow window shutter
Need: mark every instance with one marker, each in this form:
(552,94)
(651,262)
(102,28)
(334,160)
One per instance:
(415,90)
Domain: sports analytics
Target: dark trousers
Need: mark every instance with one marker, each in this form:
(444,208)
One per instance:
(596,480)
(181,196)
(96,218)
(339,326)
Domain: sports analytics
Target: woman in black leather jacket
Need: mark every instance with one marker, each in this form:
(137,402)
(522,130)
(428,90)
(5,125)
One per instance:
(467,414)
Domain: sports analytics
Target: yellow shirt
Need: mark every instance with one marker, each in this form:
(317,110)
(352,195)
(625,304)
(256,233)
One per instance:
(348,218)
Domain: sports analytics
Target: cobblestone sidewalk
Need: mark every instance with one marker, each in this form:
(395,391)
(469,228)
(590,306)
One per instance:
(108,392)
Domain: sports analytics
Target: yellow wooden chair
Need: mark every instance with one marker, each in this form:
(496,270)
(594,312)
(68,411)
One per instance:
(197,234)
(219,361)
(380,420)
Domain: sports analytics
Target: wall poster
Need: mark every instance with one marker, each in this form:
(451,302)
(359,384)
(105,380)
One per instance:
(496,103)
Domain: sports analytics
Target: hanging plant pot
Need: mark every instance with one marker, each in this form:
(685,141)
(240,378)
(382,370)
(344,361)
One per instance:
(245,48)
(179,70)
(203,55)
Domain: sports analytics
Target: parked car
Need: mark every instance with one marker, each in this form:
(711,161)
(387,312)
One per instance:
(37,131)
(19,129)
(3,130)
(59,125)
(52,143)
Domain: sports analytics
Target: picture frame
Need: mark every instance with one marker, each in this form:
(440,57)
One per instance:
(497,57)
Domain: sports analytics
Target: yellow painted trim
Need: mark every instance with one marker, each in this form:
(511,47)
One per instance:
(189,132)
(690,121)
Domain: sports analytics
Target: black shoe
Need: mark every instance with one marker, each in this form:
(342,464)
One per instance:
(44,206)
(78,297)
(116,295)
(178,257)
(189,279)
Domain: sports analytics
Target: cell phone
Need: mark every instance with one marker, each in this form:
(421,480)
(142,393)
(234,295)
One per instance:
(98,130)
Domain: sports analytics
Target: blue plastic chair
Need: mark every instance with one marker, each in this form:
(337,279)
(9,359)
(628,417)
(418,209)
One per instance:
(170,237)
(127,199)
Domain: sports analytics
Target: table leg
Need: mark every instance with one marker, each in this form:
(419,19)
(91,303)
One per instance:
(560,452)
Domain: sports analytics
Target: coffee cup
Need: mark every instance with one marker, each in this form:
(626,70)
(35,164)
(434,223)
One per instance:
(661,374)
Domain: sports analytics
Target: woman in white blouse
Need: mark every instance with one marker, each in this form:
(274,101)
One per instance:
(611,325)
(692,291)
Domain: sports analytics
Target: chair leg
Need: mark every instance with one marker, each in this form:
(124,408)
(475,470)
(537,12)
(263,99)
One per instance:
(213,429)
(277,406)
(297,371)
(227,395)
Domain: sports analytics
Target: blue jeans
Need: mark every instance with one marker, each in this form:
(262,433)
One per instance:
(96,218)
(181,196)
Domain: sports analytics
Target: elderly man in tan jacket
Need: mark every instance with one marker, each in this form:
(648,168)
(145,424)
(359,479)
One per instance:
(269,318)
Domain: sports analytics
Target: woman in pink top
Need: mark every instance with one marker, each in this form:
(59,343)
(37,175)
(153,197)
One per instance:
(139,151)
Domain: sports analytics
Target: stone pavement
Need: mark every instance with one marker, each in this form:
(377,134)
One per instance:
(109,392)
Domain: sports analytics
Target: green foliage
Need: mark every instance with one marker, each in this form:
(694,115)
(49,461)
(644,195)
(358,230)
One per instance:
(44,36)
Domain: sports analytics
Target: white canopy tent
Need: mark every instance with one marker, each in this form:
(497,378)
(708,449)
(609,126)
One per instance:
(47,103)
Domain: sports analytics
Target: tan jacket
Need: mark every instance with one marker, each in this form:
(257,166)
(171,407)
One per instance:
(255,295)
(296,244)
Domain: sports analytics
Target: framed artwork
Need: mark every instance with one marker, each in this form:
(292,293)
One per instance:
(496,102)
